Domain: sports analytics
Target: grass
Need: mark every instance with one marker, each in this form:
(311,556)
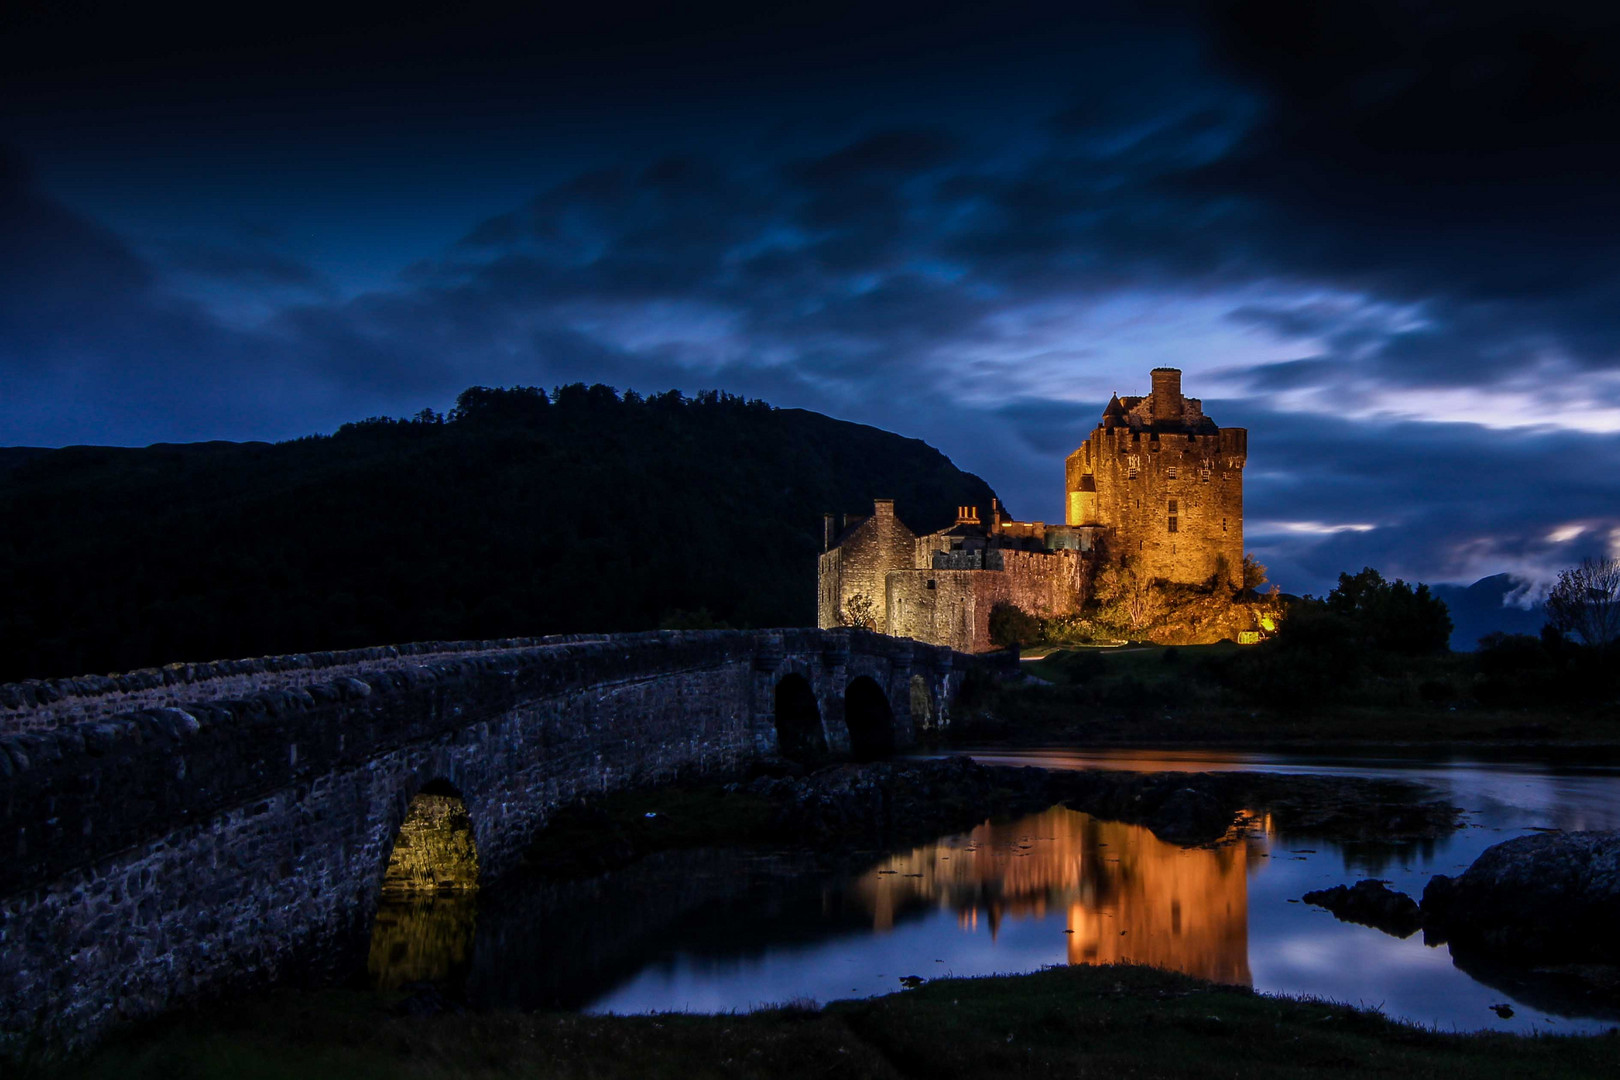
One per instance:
(1192,694)
(1071,1022)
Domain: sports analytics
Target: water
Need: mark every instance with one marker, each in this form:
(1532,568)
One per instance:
(714,931)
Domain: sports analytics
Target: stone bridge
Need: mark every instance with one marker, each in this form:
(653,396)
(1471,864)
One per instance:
(175,831)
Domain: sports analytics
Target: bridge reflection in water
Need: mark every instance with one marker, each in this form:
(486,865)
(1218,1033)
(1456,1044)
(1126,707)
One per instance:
(1129,896)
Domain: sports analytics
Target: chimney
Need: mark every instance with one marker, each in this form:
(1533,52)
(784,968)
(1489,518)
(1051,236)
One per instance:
(1167,402)
(826,532)
(883,508)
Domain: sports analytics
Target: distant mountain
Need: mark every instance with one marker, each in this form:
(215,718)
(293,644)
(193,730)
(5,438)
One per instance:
(1480,609)
(522,513)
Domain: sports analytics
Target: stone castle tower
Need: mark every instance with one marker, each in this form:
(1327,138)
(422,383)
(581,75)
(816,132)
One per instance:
(1165,483)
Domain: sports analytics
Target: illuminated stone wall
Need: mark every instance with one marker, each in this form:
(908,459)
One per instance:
(435,851)
(952,607)
(1158,460)
(859,564)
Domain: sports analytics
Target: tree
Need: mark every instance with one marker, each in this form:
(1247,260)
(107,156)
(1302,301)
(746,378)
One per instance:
(1142,602)
(1586,601)
(1254,573)
(1391,615)
(860,612)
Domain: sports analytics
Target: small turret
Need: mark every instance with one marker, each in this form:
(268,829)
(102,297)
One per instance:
(1114,414)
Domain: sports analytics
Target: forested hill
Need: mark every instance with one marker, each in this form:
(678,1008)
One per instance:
(520,513)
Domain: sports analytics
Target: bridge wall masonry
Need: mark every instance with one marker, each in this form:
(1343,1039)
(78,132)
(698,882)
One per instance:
(164,854)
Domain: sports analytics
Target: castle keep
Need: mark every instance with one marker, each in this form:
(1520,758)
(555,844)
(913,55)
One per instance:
(1157,486)
(1166,483)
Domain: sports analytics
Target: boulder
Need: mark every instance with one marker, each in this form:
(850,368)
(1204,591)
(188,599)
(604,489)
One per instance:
(1371,903)
(1550,898)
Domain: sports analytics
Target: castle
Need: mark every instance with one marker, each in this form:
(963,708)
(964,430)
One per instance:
(1157,486)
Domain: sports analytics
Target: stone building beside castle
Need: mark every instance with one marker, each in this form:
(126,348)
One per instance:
(1157,486)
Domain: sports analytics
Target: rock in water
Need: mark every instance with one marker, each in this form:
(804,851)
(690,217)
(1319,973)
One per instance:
(1190,817)
(1544,899)
(1371,903)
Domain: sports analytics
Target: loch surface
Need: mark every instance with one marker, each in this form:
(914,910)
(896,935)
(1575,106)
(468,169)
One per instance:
(715,930)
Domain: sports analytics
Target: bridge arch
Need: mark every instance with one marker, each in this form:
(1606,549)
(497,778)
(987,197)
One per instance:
(434,848)
(799,732)
(870,719)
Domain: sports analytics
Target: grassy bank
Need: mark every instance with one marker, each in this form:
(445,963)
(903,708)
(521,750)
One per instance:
(1078,1021)
(1214,694)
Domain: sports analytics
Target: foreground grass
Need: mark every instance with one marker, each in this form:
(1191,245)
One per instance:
(1077,1021)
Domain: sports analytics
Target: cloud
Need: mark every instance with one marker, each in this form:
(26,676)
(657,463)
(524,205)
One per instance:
(246,266)
(1453,164)
(883,155)
(1382,241)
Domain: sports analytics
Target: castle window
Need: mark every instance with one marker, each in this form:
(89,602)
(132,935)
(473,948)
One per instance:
(1131,474)
(1223,524)
(931,583)
(1203,474)
(1172,506)
(1171,472)
(1172,523)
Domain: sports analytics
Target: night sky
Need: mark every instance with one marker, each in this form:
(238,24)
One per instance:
(1385,237)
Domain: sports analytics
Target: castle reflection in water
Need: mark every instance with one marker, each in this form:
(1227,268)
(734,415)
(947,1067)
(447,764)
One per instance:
(1129,896)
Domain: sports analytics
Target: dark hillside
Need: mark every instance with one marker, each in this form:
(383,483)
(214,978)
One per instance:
(12,456)
(522,513)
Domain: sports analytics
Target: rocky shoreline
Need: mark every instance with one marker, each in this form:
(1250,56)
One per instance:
(897,802)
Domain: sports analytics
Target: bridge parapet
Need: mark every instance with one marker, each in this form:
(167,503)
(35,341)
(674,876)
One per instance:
(43,704)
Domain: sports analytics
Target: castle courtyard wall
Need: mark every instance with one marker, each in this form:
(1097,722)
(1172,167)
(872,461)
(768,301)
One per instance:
(952,607)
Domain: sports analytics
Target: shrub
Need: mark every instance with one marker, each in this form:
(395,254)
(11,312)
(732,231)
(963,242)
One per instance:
(1011,627)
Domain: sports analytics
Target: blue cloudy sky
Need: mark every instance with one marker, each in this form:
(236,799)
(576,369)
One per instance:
(1383,236)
